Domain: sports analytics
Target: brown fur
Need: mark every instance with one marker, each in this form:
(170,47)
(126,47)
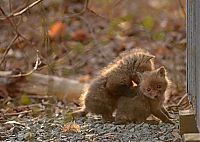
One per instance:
(148,99)
(114,81)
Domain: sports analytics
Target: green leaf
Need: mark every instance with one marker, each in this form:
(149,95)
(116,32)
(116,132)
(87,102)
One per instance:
(115,23)
(159,36)
(25,100)
(148,22)
(68,117)
(77,47)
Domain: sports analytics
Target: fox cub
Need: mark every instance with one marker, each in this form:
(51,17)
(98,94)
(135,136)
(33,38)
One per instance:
(114,81)
(149,97)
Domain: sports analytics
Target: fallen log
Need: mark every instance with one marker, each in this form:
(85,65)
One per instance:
(64,89)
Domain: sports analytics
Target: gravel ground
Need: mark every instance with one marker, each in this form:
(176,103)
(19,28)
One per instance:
(91,129)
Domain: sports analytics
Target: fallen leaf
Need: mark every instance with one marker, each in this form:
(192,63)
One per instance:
(159,36)
(77,47)
(79,35)
(71,127)
(25,100)
(68,117)
(148,22)
(56,30)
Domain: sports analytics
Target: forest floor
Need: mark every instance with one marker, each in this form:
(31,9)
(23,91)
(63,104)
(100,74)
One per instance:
(77,46)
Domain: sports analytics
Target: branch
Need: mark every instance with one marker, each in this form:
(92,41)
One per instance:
(9,20)
(179,102)
(182,8)
(83,10)
(8,48)
(64,89)
(22,11)
(10,75)
(13,24)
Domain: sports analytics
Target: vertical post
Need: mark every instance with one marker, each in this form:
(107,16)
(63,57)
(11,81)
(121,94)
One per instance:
(193,53)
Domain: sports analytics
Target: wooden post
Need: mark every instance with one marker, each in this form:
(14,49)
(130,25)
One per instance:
(187,122)
(193,54)
(191,137)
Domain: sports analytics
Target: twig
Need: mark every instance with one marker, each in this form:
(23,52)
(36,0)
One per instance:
(182,8)
(117,3)
(10,75)
(93,12)
(86,8)
(83,10)
(182,98)
(37,63)
(13,24)
(22,112)
(17,113)
(9,20)
(8,48)
(40,97)
(29,106)
(83,19)
(179,102)
(90,29)
(23,10)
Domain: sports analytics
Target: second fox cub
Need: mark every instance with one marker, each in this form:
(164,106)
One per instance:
(113,82)
(148,99)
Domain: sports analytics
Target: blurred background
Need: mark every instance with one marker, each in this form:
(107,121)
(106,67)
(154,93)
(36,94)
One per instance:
(75,39)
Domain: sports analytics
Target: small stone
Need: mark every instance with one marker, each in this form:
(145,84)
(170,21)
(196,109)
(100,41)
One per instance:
(91,130)
(132,130)
(15,130)
(114,129)
(145,125)
(162,138)
(28,136)
(39,139)
(20,136)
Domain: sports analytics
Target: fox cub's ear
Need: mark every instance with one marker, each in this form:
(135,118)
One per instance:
(161,71)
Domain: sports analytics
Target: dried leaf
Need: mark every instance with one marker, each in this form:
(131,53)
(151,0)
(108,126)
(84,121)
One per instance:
(71,127)
(79,35)
(56,30)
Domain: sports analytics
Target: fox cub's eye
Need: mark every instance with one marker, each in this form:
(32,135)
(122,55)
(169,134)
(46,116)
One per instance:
(158,86)
(148,89)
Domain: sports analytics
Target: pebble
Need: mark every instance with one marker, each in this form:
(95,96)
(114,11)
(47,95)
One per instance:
(20,136)
(45,129)
(132,130)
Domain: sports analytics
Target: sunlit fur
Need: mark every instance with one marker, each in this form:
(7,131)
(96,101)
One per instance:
(102,95)
(148,99)
(153,84)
